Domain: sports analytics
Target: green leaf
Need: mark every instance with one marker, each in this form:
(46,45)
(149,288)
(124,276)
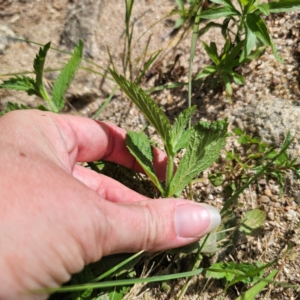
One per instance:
(228,271)
(205,144)
(216,179)
(218,12)
(256,289)
(147,65)
(20,83)
(178,128)
(206,72)
(149,108)
(38,65)
(238,79)
(140,147)
(264,8)
(179,22)
(64,79)
(253,220)
(184,139)
(249,43)
(251,274)
(257,25)
(227,85)
(229,60)
(238,131)
(217,2)
(212,52)
(13,106)
(248,7)
(284,6)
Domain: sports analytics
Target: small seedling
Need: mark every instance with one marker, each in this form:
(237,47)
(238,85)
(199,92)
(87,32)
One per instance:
(256,157)
(36,86)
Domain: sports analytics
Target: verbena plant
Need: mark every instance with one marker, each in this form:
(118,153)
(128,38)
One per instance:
(203,141)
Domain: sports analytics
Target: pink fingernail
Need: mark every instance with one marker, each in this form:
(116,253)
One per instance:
(195,220)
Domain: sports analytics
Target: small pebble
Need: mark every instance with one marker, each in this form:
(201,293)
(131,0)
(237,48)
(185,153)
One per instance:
(268,193)
(271,216)
(288,217)
(274,198)
(264,199)
(210,197)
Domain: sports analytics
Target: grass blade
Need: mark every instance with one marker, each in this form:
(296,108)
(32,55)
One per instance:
(120,282)
(256,289)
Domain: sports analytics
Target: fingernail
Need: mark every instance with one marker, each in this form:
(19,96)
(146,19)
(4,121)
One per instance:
(195,220)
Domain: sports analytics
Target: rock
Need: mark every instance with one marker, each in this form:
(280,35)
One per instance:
(82,22)
(264,199)
(5,35)
(268,193)
(272,119)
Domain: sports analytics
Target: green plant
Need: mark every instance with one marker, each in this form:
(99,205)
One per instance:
(255,156)
(203,142)
(246,36)
(36,86)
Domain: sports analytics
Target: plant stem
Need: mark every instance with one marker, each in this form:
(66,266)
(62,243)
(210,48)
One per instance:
(170,170)
(47,98)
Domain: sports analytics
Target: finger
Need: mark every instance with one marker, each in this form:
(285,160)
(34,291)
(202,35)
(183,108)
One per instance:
(155,225)
(106,187)
(89,140)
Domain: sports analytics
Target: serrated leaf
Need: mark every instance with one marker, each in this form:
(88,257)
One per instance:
(149,108)
(205,144)
(139,146)
(284,6)
(256,289)
(38,65)
(218,12)
(184,139)
(20,83)
(223,270)
(216,179)
(253,220)
(64,79)
(13,106)
(178,128)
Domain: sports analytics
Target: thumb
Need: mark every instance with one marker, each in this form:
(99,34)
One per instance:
(155,225)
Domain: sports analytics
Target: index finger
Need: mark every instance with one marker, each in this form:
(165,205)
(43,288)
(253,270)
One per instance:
(90,140)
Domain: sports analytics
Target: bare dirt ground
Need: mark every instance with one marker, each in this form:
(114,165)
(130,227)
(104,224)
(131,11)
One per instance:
(44,21)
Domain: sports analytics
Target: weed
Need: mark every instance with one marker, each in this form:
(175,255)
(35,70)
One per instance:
(245,33)
(255,156)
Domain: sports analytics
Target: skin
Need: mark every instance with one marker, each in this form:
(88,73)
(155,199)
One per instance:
(57,216)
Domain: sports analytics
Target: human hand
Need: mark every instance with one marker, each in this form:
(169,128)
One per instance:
(57,216)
